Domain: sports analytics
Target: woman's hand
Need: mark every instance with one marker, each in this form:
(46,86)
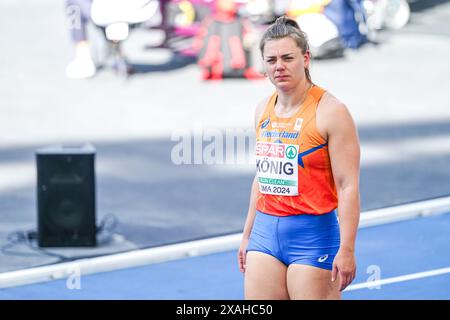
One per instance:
(242,253)
(344,264)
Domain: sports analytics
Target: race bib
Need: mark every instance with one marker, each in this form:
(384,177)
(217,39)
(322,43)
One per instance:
(277,168)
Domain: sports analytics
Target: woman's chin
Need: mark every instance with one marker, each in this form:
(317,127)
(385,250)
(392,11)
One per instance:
(284,86)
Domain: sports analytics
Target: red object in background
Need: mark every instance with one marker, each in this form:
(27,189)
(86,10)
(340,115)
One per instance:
(220,44)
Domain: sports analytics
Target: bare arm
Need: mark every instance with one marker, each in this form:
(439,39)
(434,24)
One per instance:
(343,144)
(252,205)
(251,210)
(254,191)
(344,150)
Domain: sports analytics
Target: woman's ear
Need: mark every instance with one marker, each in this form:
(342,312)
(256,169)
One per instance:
(307,59)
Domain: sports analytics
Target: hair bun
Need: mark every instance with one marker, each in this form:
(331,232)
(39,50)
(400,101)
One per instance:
(284,20)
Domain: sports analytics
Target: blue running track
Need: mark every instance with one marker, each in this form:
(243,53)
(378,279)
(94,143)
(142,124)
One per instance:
(393,250)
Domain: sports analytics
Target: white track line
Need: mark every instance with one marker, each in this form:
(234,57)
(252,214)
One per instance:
(120,261)
(195,248)
(405,212)
(408,277)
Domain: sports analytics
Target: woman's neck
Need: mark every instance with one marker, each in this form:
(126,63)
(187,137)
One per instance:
(288,101)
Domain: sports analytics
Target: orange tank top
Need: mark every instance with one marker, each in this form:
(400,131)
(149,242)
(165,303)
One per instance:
(292,162)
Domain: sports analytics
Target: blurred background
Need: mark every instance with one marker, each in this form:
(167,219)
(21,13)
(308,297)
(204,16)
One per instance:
(132,77)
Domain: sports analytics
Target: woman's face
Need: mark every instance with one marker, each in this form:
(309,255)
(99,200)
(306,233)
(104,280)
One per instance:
(285,63)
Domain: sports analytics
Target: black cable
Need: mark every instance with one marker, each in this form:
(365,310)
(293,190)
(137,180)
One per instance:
(15,238)
(104,227)
(29,238)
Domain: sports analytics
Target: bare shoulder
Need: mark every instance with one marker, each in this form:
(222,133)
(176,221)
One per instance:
(329,104)
(331,112)
(260,109)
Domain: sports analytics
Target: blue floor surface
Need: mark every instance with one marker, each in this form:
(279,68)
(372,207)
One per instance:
(394,249)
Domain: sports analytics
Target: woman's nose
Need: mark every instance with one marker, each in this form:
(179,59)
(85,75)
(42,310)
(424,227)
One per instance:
(279,65)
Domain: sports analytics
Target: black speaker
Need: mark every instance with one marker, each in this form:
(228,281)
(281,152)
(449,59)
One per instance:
(66,196)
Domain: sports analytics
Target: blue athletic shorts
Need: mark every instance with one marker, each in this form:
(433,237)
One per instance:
(301,239)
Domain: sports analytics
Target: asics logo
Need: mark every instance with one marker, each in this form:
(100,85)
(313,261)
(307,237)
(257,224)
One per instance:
(323,258)
(265,123)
